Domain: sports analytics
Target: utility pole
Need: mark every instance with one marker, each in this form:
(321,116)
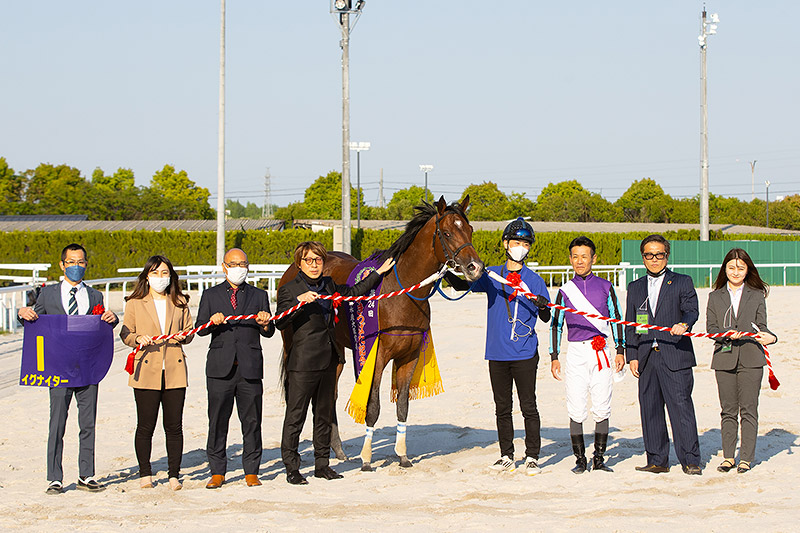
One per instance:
(221,143)
(706,28)
(767,184)
(753,177)
(266,211)
(381,201)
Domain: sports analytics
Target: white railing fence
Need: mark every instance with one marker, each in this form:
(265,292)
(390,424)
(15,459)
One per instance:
(200,277)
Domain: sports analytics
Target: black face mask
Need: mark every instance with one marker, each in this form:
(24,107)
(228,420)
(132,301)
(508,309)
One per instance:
(657,274)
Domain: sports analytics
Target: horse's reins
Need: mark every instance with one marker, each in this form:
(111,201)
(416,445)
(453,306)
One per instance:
(449,255)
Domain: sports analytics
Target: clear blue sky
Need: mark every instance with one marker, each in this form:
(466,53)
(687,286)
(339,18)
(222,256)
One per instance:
(518,92)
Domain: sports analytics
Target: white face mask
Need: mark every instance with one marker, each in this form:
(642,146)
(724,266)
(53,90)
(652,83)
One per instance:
(158,284)
(236,275)
(517,253)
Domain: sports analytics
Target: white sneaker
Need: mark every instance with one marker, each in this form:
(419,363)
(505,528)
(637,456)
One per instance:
(531,467)
(504,464)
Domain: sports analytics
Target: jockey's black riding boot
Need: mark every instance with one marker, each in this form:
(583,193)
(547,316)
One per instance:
(600,441)
(579,449)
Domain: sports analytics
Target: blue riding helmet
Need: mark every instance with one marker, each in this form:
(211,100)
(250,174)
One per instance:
(519,230)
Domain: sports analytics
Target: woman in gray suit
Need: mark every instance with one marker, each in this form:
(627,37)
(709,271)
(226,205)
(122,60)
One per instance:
(738,305)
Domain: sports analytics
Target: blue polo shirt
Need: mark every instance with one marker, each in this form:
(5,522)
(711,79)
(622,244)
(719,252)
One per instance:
(501,345)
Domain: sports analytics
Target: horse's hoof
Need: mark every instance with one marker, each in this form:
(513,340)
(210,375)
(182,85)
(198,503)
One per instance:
(339,452)
(366,467)
(405,463)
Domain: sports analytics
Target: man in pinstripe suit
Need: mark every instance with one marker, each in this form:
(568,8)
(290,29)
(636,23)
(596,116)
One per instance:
(663,361)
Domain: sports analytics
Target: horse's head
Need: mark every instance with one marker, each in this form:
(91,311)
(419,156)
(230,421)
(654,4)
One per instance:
(453,239)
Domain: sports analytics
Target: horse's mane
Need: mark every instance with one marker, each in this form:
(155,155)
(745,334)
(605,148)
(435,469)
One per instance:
(424,212)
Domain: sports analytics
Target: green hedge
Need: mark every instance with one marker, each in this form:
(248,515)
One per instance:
(109,251)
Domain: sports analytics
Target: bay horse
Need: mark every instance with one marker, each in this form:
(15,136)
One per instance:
(438,234)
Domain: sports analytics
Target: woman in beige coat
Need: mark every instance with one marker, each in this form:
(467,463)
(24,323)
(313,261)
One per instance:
(155,307)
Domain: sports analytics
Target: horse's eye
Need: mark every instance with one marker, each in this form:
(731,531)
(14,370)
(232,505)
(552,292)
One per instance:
(447,234)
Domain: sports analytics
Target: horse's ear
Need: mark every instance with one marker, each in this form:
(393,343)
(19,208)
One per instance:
(465,203)
(440,205)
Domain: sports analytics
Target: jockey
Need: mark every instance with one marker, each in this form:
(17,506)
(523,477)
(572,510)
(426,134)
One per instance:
(588,369)
(511,343)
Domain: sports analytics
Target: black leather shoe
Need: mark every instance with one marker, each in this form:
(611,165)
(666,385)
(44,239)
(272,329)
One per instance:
(653,469)
(55,487)
(327,472)
(90,484)
(692,470)
(296,478)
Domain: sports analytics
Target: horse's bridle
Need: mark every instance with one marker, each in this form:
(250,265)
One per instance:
(449,255)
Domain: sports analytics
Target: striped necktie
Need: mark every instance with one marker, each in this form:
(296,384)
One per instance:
(234,301)
(73,302)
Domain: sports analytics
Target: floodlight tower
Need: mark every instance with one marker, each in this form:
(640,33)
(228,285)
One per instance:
(342,11)
(708,26)
(358,147)
(426,169)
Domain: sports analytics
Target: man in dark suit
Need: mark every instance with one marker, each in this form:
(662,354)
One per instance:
(663,361)
(313,357)
(234,366)
(70,297)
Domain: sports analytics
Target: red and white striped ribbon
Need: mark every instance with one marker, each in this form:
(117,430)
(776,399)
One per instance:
(773,381)
(335,298)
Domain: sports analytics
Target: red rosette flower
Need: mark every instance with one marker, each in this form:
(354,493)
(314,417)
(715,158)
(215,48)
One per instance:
(598,343)
(336,302)
(98,309)
(514,279)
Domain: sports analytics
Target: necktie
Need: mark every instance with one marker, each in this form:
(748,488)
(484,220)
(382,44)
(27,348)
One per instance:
(233,297)
(73,302)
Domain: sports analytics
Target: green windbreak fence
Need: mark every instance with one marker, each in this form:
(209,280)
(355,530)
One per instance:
(712,253)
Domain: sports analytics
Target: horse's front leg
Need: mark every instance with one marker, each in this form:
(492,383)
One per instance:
(405,371)
(336,440)
(373,410)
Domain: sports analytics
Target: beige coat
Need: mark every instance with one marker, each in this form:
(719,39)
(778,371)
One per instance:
(141,319)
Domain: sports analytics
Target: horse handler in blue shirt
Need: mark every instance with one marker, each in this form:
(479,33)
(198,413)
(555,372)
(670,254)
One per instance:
(511,343)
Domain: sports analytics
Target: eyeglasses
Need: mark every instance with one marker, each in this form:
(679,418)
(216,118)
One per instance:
(313,260)
(73,263)
(243,264)
(650,257)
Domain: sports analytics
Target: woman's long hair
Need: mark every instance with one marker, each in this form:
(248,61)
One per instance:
(142,288)
(752,278)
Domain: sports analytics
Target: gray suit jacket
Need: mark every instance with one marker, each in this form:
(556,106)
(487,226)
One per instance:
(721,318)
(49,301)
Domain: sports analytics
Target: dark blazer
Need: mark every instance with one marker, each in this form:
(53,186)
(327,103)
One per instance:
(721,318)
(677,302)
(313,339)
(49,301)
(238,341)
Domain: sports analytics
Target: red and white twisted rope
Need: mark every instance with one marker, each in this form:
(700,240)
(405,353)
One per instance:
(336,300)
(773,381)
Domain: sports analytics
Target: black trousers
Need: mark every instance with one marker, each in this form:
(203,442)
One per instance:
(171,402)
(221,394)
(319,388)
(659,387)
(523,374)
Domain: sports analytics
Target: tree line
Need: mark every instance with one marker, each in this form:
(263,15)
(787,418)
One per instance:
(171,195)
(62,190)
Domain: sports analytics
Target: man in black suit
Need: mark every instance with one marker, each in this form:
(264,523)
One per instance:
(663,361)
(313,357)
(234,366)
(70,297)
